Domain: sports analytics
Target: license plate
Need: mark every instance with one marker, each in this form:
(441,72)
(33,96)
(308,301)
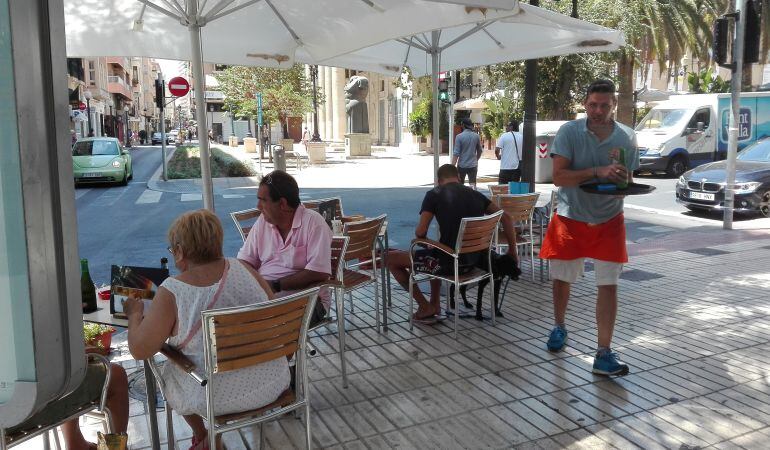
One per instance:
(702,196)
(91,175)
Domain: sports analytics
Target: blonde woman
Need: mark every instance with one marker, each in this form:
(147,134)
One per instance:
(207,280)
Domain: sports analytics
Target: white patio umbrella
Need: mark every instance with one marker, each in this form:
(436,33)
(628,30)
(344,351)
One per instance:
(528,33)
(254,32)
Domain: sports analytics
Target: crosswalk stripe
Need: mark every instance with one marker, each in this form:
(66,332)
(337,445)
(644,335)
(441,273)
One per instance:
(191,197)
(81,192)
(232,196)
(149,196)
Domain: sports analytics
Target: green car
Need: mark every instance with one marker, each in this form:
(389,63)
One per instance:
(101,160)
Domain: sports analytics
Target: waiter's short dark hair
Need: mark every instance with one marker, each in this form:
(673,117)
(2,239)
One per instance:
(281,185)
(600,86)
(447,171)
(514,125)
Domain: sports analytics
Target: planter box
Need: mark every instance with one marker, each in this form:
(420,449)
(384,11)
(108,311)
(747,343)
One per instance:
(233,141)
(288,144)
(250,145)
(316,152)
(358,144)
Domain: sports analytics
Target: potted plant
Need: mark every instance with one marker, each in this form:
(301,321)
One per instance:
(98,337)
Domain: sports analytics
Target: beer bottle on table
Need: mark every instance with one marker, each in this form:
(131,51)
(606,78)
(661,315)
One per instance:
(87,288)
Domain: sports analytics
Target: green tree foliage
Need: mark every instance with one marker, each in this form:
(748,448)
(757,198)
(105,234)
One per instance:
(499,111)
(706,82)
(285,92)
(421,118)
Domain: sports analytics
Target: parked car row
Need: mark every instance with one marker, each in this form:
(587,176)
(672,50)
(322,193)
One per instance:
(157,138)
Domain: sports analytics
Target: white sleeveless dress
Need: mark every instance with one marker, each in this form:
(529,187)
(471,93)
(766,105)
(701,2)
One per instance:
(235,391)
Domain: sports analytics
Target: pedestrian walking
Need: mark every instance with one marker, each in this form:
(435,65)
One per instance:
(466,154)
(590,225)
(305,137)
(508,151)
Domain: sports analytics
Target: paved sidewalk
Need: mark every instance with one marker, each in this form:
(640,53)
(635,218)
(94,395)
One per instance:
(693,324)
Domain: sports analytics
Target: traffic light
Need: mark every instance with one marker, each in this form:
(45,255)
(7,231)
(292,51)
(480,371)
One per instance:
(751,38)
(443,90)
(721,41)
(160,93)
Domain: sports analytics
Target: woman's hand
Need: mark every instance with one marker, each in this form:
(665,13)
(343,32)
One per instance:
(133,305)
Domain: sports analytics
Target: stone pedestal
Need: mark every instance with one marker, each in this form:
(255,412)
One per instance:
(232,141)
(250,145)
(288,144)
(316,152)
(358,144)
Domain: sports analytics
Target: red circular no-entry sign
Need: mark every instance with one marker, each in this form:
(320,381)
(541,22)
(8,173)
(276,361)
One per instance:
(178,86)
(82,106)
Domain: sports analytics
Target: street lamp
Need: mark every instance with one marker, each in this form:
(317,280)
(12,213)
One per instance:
(88,96)
(125,113)
(314,77)
(111,103)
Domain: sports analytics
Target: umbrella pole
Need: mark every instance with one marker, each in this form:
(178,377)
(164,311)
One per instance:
(434,55)
(200,107)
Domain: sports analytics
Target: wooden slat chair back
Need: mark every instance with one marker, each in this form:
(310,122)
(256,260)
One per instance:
(313,204)
(244,336)
(495,190)
(339,248)
(476,234)
(363,236)
(520,208)
(244,220)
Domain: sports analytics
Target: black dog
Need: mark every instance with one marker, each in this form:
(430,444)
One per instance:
(502,266)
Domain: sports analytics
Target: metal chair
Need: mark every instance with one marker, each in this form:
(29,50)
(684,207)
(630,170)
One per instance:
(362,247)
(244,220)
(32,427)
(520,207)
(476,234)
(243,336)
(495,190)
(339,247)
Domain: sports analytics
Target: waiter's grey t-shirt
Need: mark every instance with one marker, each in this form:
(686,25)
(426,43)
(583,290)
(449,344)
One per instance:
(577,143)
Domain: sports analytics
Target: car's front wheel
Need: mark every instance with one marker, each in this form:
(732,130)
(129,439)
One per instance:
(764,204)
(124,181)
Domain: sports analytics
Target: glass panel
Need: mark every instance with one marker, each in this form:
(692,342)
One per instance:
(95,147)
(15,314)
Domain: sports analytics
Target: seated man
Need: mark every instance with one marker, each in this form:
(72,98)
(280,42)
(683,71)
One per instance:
(290,246)
(450,202)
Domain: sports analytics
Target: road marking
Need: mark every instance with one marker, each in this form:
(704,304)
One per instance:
(81,192)
(676,214)
(232,196)
(191,197)
(656,229)
(149,196)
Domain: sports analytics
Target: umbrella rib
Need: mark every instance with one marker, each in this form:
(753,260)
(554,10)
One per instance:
(158,8)
(218,7)
(231,10)
(474,30)
(499,44)
(285,24)
(173,7)
(373,5)
(410,44)
(423,40)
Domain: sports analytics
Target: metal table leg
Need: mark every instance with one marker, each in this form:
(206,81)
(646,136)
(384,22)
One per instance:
(149,381)
(385,276)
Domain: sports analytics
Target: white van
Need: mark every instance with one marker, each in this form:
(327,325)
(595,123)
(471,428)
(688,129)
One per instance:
(689,130)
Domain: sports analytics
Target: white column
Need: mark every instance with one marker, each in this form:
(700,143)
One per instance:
(322,107)
(336,100)
(339,110)
(328,104)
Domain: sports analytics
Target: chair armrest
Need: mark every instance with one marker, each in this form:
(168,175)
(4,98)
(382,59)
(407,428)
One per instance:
(183,362)
(431,243)
(101,359)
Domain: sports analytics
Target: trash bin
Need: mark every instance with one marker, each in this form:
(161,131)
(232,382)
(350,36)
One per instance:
(279,158)
(544,134)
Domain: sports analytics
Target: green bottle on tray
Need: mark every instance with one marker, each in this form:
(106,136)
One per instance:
(87,288)
(622,160)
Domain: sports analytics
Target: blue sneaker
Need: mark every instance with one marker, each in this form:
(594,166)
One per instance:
(558,339)
(607,363)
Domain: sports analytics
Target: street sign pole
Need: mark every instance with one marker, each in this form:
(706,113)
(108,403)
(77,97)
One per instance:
(162,127)
(259,129)
(734,124)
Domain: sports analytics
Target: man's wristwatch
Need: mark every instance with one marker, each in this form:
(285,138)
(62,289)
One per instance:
(276,285)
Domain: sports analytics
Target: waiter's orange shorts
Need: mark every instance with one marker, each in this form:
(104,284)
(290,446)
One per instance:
(571,239)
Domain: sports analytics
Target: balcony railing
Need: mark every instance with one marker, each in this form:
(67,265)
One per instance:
(119,60)
(117,85)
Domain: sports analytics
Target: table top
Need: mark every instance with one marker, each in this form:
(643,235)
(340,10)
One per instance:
(102,315)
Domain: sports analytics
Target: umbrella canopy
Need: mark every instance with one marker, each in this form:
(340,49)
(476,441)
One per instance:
(254,32)
(470,104)
(528,33)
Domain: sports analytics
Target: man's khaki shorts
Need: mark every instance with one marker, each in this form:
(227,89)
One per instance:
(568,270)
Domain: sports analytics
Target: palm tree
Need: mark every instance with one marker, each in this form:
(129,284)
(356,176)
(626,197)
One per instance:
(661,30)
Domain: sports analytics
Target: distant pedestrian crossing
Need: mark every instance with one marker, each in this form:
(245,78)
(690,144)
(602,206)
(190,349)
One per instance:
(147,197)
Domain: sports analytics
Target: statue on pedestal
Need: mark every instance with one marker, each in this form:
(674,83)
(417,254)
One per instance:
(355,104)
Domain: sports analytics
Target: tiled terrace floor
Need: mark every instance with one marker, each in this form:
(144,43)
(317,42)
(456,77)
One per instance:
(693,325)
